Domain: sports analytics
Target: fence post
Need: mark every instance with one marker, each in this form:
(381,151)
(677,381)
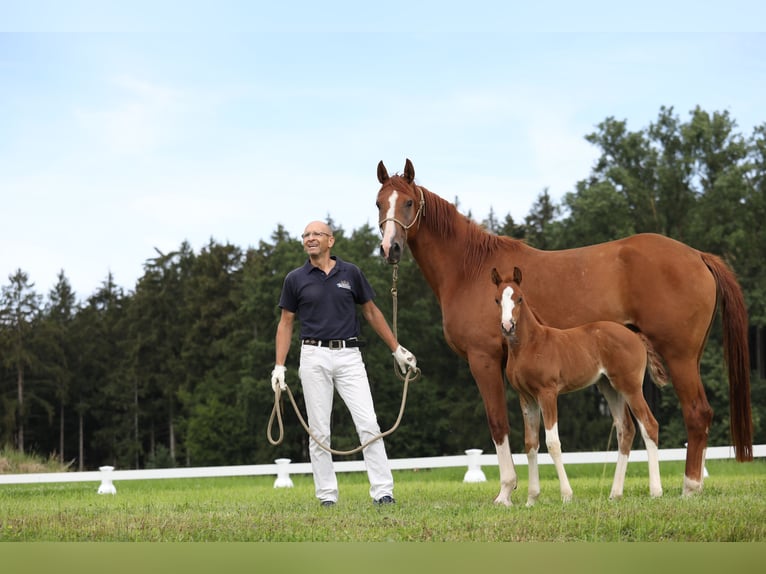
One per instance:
(474,472)
(283,474)
(106,486)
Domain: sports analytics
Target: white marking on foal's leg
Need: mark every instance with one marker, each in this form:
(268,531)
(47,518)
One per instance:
(508,479)
(553,443)
(653,456)
(533,491)
(389,227)
(618,484)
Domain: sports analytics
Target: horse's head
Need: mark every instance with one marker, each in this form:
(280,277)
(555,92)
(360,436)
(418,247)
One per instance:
(509,298)
(400,206)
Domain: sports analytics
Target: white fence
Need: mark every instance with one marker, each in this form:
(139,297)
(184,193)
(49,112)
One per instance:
(108,474)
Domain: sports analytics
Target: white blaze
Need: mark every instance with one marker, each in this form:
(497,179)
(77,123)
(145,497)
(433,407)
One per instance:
(389,227)
(506,306)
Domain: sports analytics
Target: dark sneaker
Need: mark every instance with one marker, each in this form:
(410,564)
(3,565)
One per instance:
(327,503)
(385,500)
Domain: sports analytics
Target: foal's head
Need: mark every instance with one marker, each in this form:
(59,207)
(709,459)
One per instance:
(509,298)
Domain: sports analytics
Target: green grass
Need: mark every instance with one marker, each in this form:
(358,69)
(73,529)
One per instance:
(13,462)
(432,506)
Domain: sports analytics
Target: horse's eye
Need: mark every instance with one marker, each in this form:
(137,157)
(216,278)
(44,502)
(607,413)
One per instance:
(409,203)
(377,204)
(520,300)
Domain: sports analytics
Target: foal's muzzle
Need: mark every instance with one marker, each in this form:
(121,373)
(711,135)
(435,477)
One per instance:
(508,328)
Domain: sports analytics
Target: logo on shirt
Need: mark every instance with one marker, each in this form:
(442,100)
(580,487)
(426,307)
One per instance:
(343,284)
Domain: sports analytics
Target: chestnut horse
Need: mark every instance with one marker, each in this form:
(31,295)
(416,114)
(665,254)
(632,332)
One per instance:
(544,362)
(568,288)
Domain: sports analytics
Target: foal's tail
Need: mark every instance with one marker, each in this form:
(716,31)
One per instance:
(654,363)
(736,353)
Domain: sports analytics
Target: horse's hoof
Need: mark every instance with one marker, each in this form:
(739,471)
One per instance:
(503,501)
(691,487)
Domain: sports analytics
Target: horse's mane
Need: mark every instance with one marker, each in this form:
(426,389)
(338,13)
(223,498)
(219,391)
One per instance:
(441,217)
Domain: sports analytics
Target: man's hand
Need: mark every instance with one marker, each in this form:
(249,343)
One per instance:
(405,359)
(278,378)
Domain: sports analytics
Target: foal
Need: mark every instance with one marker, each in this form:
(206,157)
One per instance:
(544,362)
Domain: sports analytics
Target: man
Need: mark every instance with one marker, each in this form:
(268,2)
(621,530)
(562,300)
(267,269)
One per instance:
(324,293)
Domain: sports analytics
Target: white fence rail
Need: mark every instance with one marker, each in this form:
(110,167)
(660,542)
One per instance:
(108,475)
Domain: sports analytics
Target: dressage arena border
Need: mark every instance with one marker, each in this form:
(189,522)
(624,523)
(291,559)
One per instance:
(473,459)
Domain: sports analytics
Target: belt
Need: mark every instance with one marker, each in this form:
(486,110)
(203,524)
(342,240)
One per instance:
(334,343)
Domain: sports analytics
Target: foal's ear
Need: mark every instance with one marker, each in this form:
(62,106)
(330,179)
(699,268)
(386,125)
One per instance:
(517,275)
(409,171)
(496,277)
(382,172)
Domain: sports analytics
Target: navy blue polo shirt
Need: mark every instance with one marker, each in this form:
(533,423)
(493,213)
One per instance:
(326,303)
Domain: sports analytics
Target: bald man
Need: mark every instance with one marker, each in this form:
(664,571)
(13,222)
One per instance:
(323,294)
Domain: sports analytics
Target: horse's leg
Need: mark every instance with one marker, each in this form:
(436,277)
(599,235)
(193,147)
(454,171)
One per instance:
(548,404)
(626,432)
(684,373)
(508,478)
(530,410)
(488,374)
(650,431)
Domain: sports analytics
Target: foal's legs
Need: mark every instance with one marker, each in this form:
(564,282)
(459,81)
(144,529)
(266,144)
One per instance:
(530,410)
(650,433)
(618,405)
(548,404)
(626,432)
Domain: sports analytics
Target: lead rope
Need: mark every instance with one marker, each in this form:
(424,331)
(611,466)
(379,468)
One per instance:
(276,412)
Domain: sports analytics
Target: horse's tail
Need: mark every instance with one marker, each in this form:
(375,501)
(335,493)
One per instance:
(654,363)
(736,353)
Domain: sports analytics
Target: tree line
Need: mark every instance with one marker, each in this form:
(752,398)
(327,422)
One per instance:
(175,372)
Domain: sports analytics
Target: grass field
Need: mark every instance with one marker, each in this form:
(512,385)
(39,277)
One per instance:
(432,506)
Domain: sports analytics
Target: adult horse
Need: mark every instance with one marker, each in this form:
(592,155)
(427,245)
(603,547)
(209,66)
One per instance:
(567,288)
(544,362)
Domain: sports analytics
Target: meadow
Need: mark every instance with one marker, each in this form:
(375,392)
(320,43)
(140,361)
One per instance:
(432,506)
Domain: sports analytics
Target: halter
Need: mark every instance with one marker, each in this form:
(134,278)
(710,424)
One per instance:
(418,214)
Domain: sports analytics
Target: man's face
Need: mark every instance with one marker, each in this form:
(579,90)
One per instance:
(317,238)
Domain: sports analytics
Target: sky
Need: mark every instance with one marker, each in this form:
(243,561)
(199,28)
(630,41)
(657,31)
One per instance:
(131,127)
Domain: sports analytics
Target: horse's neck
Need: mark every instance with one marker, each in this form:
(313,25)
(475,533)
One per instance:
(436,272)
(440,258)
(528,328)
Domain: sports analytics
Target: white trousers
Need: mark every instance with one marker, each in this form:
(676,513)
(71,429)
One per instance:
(322,371)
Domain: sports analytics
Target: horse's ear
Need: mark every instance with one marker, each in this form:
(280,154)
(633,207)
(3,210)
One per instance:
(382,172)
(517,275)
(496,277)
(409,171)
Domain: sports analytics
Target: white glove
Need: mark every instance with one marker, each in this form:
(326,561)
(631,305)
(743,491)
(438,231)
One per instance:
(278,378)
(405,359)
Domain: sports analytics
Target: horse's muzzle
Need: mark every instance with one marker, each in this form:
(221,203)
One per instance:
(509,330)
(393,254)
